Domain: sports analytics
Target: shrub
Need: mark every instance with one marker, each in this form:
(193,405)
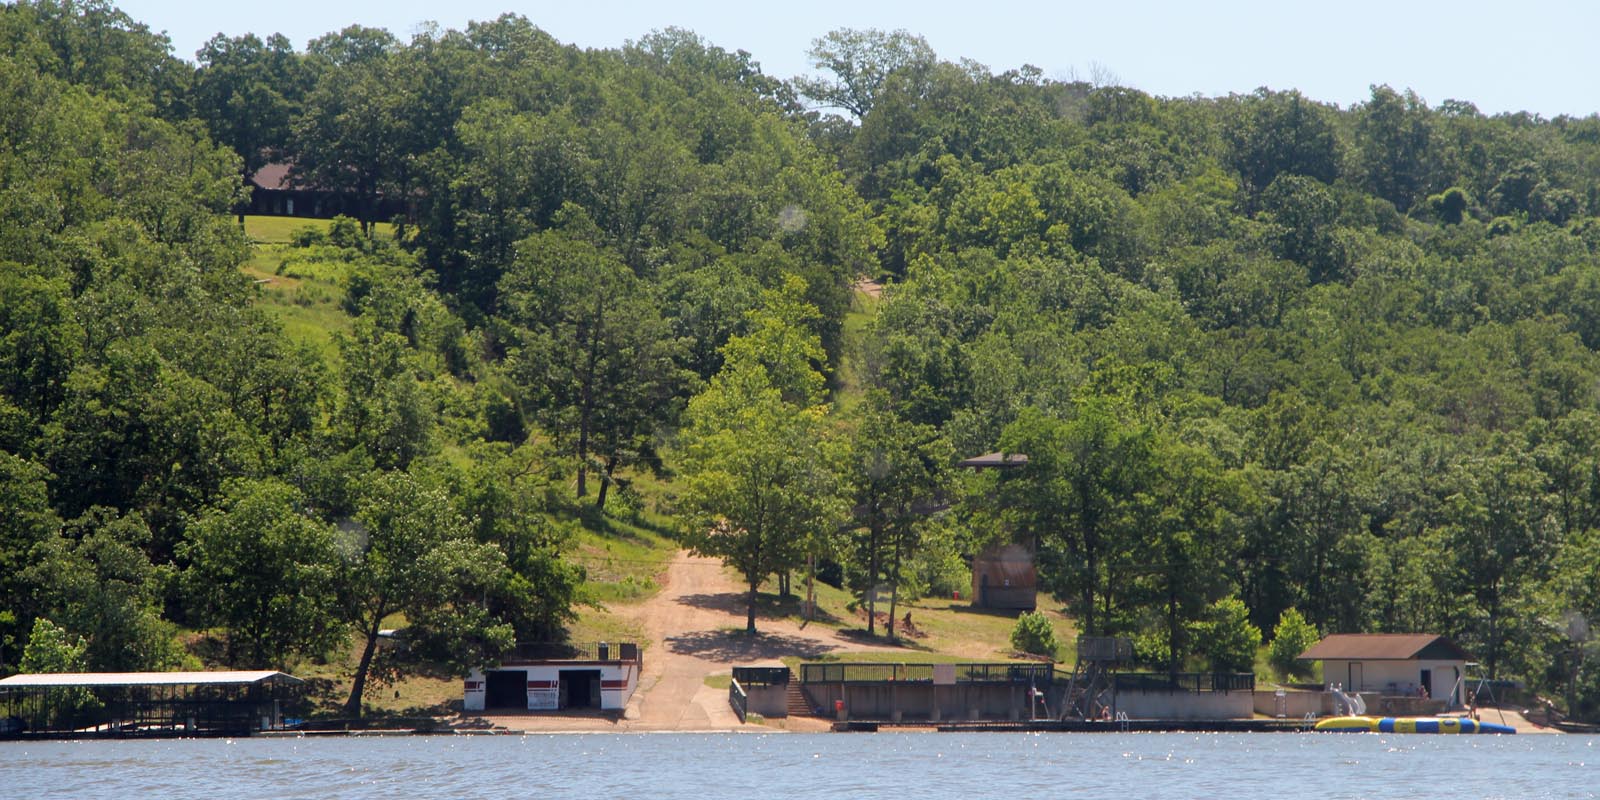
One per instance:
(1289,639)
(1227,638)
(1034,634)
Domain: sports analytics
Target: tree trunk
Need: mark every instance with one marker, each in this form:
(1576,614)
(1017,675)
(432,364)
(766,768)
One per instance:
(872,576)
(750,608)
(811,588)
(352,707)
(605,483)
(586,396)
(894,586)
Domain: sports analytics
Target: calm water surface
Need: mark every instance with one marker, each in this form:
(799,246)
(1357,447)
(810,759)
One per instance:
(900,766)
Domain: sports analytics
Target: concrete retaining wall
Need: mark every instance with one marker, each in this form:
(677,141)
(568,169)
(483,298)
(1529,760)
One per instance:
(768,701)
(1186,705)
(895,701)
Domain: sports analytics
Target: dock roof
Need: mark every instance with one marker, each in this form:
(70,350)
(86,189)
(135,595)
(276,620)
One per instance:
(98,679)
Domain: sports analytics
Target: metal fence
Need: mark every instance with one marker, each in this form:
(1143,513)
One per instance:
(1035,674)
(761,676)
(575,651)
(738,700)
(1189,682)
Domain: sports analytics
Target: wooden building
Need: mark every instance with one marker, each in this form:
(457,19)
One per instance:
(275,192)
(1004,577)
(1003,574)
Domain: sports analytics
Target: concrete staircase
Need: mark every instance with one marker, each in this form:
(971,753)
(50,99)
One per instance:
(797,703)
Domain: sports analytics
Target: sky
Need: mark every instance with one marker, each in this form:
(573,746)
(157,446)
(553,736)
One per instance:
(1537,56)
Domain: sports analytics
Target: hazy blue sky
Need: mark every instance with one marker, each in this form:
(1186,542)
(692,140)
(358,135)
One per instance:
(1535,55)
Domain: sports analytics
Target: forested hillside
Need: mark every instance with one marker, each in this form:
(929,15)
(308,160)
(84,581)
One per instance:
(1269,358)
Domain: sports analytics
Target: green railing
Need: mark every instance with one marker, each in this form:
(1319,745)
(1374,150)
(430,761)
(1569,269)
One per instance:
(751,677)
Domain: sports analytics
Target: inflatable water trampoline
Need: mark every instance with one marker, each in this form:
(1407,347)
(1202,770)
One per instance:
(1410,725)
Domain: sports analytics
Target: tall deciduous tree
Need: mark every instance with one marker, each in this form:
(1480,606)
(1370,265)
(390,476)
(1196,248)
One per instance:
(758,481)
(860,61)
(896,472)
(266,570)
(592,352)
(410,553)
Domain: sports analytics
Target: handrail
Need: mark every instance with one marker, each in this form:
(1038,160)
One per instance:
(1037,674)
(738,700)
(1190,682)
(761,676)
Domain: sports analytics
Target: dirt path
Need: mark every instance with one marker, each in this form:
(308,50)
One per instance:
(696,629)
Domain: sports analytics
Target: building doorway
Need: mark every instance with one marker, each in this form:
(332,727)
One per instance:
(1355,676)
(580,688)
(506,689)
(1427,682)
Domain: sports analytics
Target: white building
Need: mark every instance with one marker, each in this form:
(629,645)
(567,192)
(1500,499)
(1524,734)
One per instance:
(1392,664)
(601,677)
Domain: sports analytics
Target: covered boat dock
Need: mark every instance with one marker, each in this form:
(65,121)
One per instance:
(129,704)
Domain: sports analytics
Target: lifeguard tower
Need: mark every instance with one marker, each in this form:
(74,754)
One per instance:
(1092,693)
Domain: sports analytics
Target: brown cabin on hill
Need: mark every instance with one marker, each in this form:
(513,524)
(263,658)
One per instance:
(1003,575)
(274,192)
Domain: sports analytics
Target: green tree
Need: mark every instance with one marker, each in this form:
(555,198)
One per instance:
(1034,634)
(1228,640)
(592,352)
(97,579)
(411,555)
(52,649)
(860,61)
(265,570)
(246,91)
(896,470)
(1073,497)
(1292,636)
(1502,537)
(758,484)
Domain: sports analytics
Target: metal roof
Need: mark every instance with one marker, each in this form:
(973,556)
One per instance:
(1384,647)
(995,461)
(93,679)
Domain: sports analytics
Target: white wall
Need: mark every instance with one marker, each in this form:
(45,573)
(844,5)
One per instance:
(618,680)
(1377,676)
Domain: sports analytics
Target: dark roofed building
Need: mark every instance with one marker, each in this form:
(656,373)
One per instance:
(274,192)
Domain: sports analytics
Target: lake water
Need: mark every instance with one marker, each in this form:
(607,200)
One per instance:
(902,766)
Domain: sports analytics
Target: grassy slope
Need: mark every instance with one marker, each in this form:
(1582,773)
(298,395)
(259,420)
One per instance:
(623,552)
(622,559)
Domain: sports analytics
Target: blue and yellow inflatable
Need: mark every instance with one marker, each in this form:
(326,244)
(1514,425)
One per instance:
(1410,725)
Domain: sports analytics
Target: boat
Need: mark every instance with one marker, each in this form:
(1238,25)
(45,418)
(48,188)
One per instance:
(1410,725)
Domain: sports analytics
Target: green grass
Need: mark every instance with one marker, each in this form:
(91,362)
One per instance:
(943,628)
(622,561)
(279,230)
(305,299)
(851,380)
